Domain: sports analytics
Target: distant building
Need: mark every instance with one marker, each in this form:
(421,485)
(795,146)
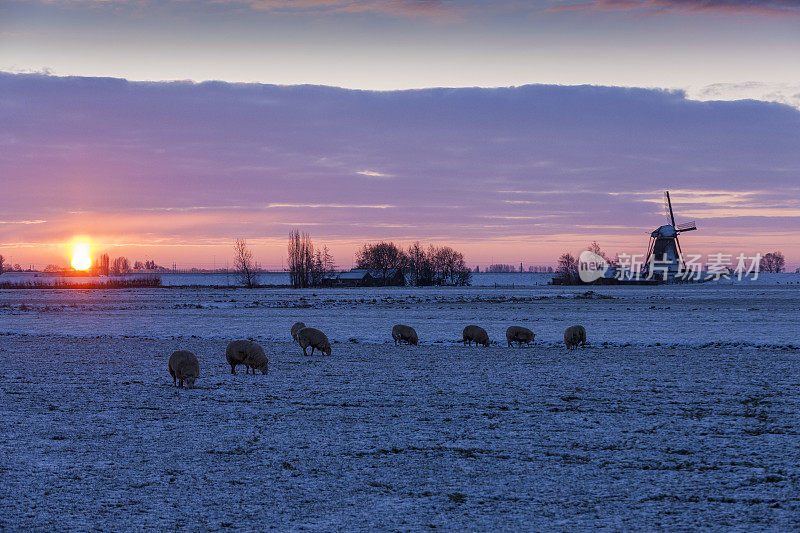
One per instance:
(364,277)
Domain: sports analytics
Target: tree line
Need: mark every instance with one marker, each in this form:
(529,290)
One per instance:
(104,266)
(503,268)
(101,266)
(435,265)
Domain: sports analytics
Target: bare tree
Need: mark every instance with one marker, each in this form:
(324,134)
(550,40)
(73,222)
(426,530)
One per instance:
(2,264)
(323,265)
(383,256)
(307,268)
(449,266)
(243,264)
(102,265)
(772,262)
(595,248)
(301,256)
(567,267)
(120,265)
(419,265)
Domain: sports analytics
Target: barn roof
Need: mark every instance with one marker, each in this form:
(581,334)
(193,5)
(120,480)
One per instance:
(362,273)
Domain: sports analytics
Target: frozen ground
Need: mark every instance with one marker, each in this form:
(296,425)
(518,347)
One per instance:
(682,414)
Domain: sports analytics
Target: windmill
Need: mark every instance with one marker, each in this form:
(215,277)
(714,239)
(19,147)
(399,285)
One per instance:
(665,248)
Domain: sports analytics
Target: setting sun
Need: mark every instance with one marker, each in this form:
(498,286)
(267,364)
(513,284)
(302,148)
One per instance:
(81,254)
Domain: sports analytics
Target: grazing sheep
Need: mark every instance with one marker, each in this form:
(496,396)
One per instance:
(519,335)
(573,336)
(247,353)
(297,327)
(256,359)
(315,338)
(475,333)
(402,333)
(183,366)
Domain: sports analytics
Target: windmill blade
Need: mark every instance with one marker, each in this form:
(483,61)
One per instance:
(671,214)
(680,253)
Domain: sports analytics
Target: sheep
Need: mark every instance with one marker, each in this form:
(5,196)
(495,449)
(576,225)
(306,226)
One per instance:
(403,333)
(475,333)
(519,335)
(183,366)
(573,336)
(315,338)
(247,353)
(295,328)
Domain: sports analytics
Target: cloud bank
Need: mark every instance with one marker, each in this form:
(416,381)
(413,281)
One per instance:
(508,174)
(457,9)
(655,7)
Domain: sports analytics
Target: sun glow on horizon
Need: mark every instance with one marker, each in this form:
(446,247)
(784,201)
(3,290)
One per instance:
(81,253)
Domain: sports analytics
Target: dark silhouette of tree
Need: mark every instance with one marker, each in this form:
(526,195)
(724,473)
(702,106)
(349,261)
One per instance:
(595,248)
(120,265)
(301,255)
(567,267)
(449,266)
(383,256)
(243,264)
(419,265)
(103,265)
(772,262)
(323,266)
(2,264)
(308,268)
(434,266)
(500,268)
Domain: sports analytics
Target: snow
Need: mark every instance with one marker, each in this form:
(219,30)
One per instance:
(683,412)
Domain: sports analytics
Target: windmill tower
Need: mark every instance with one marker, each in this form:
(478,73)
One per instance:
(665,248)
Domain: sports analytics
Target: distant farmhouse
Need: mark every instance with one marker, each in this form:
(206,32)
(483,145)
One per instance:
(364,277)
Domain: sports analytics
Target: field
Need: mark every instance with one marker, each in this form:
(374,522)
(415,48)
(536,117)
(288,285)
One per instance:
(682,412)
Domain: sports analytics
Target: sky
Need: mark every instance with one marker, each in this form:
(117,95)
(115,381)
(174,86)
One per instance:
(534,127)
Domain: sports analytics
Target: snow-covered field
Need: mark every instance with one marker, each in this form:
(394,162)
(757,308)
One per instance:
(683,412)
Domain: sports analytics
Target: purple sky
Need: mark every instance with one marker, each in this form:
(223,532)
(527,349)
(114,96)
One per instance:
(174,171)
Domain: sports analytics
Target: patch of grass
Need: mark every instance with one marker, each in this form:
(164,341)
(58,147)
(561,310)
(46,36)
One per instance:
(457,497)
(138,283)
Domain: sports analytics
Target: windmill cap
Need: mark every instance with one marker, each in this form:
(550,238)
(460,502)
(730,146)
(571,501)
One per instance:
(667,230)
